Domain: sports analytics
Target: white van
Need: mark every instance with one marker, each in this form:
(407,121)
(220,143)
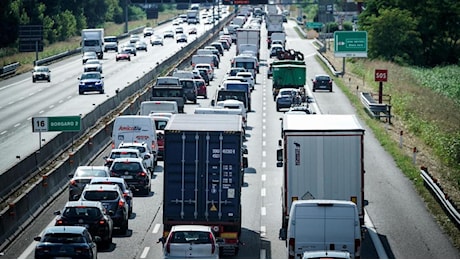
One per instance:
(248,62)
(135,129)
(203,58)
(319,225)
(148,107)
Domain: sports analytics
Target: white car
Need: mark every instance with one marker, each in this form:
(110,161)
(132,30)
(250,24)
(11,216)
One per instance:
(156,40)
(191,241)
(148,159)
(248,76)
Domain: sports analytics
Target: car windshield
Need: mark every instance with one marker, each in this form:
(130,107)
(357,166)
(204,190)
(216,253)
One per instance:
(130,167)
(90,173)
(99,195)
(41,69)
(83,212)
(160,125)
(91,76)
(195,237)
(322,78)
(63,238)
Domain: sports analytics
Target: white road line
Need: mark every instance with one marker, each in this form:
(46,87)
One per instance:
(264,153)
(156,228)
(264,164)
(18,124)
(145,252)
(374,237)
(264,143)
(263,211)
(263,192)
(263,177)
(4,132)
(51,106)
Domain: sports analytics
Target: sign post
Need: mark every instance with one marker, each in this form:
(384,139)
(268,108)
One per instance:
(380,76)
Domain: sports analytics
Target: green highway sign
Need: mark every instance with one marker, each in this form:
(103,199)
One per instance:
(56,124)
(314,25)
(350,44)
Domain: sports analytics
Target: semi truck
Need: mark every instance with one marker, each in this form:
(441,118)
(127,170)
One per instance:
(93,40)
(322,157)
(248,40)
(193,16)
(274,24)
(203,175)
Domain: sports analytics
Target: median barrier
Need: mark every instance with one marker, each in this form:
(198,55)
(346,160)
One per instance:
(9,69)
(23,210)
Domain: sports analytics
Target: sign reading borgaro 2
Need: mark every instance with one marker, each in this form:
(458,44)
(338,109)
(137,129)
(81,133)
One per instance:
(56,124)
(350,44)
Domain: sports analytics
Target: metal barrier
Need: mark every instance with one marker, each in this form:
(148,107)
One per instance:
(448,205)
(375,109)
(9,69)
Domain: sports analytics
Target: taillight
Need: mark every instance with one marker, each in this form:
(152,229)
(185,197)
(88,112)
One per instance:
(153,146)
(121,203)
(291,248)
(73,182)
(143,174)
(168,243)
(59,222)
(125,194)
(102,221)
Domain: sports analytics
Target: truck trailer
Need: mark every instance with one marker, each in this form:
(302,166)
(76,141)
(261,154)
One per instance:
(245,38)
(322,158)
(203,175)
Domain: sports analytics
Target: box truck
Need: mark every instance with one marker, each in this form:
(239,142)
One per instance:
(203,175)
(93,40)
(322,158)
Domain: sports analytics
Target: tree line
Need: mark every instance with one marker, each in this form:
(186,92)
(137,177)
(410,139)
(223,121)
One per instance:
(413,32)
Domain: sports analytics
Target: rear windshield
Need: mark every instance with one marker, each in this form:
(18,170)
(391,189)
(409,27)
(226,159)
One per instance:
(196,237)
(99,195)
(63,238)
(166,93)
(160,125)
(86,212)
(323,78)
(130,167)
(90,173)
(115,155)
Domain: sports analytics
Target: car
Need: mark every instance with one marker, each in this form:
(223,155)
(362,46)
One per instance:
(225,44)
(134,172)
(83,176)
(91,81)
(41,73)
(204,74)
(183,18)
(322,81)
(280,42)
(93,65)
(123,55)
(208,20)
(177,21)
(179,30)
(181,38)
(248,76)
(150,160)
(124,187)
(148,31)
(201,89)
(191,241)
(275,48)
(121,153)
(88,55)
(110,43)
(190,90)
(233,71)
(326,254)
(141,45)
(192,30)
(219,47)
(66,242)
(156,40)
(130,47)
(207,67)
(111,197)
(160,123)
(89,214)
(287,97)
(168,34)
(134,38)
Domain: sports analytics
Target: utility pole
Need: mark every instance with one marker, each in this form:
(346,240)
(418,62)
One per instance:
(126,16)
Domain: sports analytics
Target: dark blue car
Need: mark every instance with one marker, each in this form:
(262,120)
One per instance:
(91,81)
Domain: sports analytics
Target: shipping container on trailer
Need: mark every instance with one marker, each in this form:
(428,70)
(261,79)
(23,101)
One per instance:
(203,175)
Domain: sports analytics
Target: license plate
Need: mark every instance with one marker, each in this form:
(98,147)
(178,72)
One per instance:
(126,177)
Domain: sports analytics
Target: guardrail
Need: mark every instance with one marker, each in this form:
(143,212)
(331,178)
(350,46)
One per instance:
(53,179)
(9,69)
(444,199)
(375,109)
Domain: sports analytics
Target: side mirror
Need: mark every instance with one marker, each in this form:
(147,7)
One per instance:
(280,142)
(57,212)
(213,103)
(279,155)
(282,234)
(245,162)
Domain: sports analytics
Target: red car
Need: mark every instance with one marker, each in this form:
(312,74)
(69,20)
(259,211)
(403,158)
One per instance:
(123,55)
(201,87)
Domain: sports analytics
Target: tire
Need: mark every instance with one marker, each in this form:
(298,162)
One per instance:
(81,92)
(34,80)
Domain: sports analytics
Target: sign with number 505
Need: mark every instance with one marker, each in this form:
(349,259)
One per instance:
(381,75)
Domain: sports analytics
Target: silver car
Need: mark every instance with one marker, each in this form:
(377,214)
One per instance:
(83,176)
(93,65)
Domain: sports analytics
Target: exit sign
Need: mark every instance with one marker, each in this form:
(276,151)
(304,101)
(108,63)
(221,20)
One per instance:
(381,75)
(56,124)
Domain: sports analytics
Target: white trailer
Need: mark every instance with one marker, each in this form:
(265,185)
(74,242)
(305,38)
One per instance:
(322,158)
(245,37)
(93,40)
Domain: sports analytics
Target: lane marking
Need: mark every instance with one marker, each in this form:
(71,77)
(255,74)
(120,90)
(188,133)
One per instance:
(263,192)
(156,228)
(145,252)
(263,211)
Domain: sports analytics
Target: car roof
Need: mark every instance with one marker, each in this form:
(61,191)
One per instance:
(124,150)
(97,167)
(107,179)
(139,160)
(64,229)
(108,187)
(86,203)
(190,227)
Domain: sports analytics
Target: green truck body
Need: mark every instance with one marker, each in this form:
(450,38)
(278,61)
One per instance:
(289,74)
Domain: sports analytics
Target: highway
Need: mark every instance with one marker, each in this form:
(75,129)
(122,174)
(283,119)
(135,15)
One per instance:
(405,227)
